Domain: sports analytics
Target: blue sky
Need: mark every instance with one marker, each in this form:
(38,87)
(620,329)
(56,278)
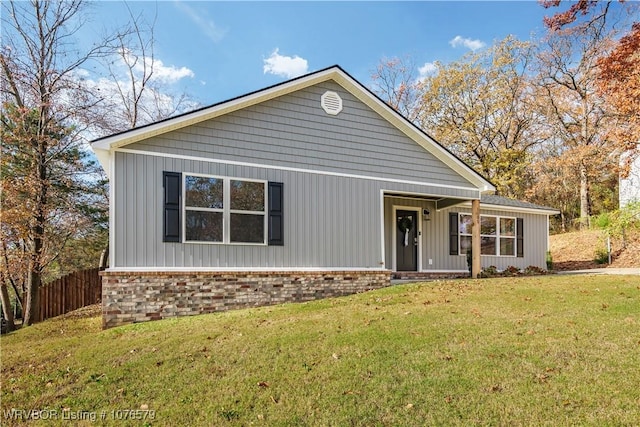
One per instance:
(219,50)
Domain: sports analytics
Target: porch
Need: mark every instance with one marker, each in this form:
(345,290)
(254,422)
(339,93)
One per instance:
(419,234)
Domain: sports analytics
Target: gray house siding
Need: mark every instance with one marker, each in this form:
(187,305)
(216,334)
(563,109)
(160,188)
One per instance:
(435,237)
(294,131)
(330,221)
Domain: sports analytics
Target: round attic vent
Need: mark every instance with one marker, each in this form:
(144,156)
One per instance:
(331,103)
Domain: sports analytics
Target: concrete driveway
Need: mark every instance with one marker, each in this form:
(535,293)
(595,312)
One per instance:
(631,271)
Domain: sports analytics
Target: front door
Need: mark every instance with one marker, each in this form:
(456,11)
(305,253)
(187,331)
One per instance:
(406,241)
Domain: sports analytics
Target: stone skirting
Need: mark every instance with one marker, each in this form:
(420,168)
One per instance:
(131,297)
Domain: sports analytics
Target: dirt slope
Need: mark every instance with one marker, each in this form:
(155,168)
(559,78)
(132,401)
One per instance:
(577,250)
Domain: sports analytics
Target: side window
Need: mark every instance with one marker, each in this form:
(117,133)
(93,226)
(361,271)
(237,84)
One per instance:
(204,209)
(247,212)
(507,236)
(222,210)
(497,235)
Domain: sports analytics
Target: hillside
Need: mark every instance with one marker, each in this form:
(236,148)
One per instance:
(577,250)
(555,350)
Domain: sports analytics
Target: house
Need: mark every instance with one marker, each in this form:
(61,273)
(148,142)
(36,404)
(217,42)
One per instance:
(306,189)
(630,184)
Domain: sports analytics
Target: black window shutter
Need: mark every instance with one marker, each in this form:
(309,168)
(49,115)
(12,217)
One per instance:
(519,237)
(172,184)
(276,206)
(453,233)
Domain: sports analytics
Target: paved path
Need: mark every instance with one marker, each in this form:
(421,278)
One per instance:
(632,271)
(600,271)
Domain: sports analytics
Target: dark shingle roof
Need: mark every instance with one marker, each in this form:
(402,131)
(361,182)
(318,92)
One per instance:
(491,199)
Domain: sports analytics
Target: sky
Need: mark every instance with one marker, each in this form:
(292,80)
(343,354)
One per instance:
(214,50)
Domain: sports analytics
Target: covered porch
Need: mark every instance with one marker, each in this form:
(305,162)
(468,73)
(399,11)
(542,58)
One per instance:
(418,233)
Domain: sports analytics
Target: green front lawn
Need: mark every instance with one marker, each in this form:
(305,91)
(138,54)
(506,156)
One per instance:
(546,350)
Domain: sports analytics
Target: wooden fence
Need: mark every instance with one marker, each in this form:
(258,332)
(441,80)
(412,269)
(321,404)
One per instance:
(68,293)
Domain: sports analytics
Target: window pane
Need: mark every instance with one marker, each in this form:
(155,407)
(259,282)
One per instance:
(247,196)
(488,245)
(507,246)
(204,226)
(247,228)
(488,225)
(507,227)
(465,244)
(465,224)
(203,192)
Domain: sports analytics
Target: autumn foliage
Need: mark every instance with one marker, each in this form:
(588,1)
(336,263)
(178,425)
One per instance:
(619,69)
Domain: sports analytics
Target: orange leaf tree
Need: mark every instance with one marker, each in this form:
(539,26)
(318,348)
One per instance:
(618,70)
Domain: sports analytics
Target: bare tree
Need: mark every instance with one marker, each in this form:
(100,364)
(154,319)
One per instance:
(44,163)
(395,82)
(577,114)
(136,93)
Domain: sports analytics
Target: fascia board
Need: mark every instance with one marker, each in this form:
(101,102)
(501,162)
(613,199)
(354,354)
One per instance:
(489,207)
(104,158)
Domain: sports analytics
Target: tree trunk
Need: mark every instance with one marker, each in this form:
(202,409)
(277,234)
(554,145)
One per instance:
(6,307)
(104,258)
(32,308)
(584,197)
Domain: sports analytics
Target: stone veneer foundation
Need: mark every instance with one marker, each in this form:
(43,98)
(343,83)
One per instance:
(131,297)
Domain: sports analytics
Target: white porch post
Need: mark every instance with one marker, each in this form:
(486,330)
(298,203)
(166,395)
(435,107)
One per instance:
(475,238)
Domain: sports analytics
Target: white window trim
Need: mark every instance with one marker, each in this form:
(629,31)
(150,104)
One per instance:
(226,210)
(497,236)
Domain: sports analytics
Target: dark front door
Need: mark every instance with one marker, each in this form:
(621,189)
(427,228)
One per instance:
(406,241)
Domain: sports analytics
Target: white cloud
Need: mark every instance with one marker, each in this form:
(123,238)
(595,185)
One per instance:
(285,66)
(161,73)
(201,19)
(427,69)
(170,74)
(158,100)
(468,43)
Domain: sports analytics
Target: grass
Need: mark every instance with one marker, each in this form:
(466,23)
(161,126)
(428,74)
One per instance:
(547,350)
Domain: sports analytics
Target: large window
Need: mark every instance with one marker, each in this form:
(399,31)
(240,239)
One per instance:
(497,235)
(224,210)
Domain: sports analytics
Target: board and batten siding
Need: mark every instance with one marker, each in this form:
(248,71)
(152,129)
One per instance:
(330,221)
(435,237)
(293,131)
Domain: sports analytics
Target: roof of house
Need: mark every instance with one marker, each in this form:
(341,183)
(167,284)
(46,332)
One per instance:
(492,199)
(103,146)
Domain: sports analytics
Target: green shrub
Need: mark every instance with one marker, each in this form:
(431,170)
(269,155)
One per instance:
(491,271)
(602,221)
(615,223)
(602,256)
(549,261)
(511,271)
(533,270)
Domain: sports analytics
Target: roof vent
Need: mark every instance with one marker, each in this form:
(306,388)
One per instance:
(331,103)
